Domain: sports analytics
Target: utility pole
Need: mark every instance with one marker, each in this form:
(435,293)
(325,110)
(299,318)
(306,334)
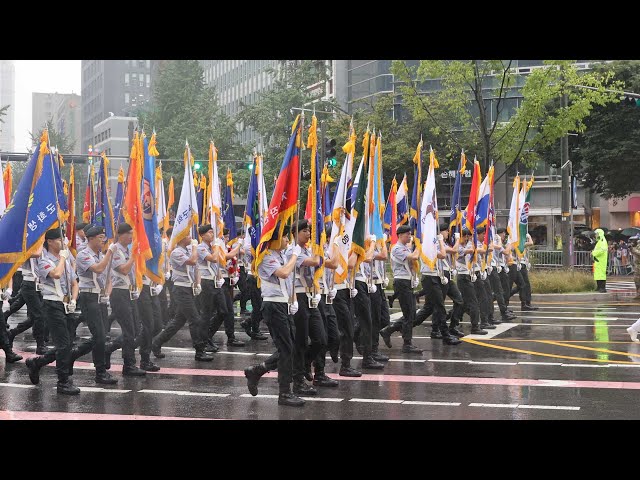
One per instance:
(567,261)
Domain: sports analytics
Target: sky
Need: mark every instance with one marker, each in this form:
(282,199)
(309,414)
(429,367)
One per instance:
(44,76)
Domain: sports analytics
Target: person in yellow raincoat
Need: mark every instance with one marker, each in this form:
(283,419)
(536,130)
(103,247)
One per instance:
(600,253)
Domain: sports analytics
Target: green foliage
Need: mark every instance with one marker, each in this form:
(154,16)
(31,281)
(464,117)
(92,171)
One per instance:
(561,281)
(3,112)
(64,143)
(607,152)
(183,109)
(458,109)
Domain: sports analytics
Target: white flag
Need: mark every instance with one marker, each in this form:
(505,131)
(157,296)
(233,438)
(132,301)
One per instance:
(513,226)
(187,213)
(429,218)
(161,204)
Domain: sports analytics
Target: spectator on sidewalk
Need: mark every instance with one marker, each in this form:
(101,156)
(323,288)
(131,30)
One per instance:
(600,254)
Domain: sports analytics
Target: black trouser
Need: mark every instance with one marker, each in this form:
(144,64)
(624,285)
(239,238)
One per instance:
(185,311)
(525,290)
(95,312)
(362,309)
(17,283)
(506,285)
(223,304)
(4,338)
(146,315)
(57,321)
(171,311)
(496,287)
(308,323)
(164,304)
(330,321)
(435,292)
(343,306)
(207,302)
(385,317)
(402,289)
(122,308)
(469,298)
(484,299)
(283,332)
(516,277)
(16,304)
(35,319)
(256,303)
(453,292)
(377,301)
(244,290)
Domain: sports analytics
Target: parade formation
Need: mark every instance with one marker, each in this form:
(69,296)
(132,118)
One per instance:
(314,277)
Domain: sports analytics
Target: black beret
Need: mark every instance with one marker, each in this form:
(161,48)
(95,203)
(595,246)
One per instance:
(465,231)
(81,225)
(480,230)
(301,225)
(124,228)
(86,227)
(204,229)
(169,231)
(52,234)
(501,230)
(225,231)
(403,229)
(444,226)
(94,231)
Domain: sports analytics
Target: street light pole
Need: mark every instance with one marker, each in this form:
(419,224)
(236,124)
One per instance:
(566,194)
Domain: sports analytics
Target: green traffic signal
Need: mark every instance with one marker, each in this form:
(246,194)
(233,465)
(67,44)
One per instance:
(250,166)
(333,162)
(197,166)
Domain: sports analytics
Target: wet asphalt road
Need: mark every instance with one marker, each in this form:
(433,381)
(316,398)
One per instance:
(564,361)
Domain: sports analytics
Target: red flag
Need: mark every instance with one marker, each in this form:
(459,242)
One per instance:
(285,195)
(473,197)
(394,214)
(8,183)
(309,210)
(71,222)
(132,210)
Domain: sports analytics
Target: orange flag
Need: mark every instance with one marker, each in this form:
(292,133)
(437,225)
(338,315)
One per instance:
(132,207)
(8,183)
(170,202)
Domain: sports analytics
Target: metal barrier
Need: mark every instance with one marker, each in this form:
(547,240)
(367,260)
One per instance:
(553,259)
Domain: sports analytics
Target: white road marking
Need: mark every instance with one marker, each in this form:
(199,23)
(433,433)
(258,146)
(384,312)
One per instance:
(322,399)
(248,395)
(17,385)
(539,363)
(450,404)
(584,365)
(446,360)
(186,393)
(492,363)
(100,390)
(374,400)
(609,319)
(494,405)
(549,407)
(555,383)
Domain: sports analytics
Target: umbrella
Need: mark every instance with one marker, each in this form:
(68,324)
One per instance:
(631,231)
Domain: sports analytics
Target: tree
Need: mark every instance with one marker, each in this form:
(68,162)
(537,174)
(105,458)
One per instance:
(184,108)
(475,104)
(271,116)
(606,156)
(3,112)
(64,143)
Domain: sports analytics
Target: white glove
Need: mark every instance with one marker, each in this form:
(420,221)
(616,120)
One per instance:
(135,295)
(233,280)
(219,242)
(65,241)
(456,235)
(483,275)
(198,290)
(332,293)
(293,308)
(104,299)
(528,237)
(385,237)
(489,270)
(297,251)
(506,269)
(353,292)
(373,288)
(372,238)
(415,282)
(498,269)
(167,275)
(64,253)
(113,248)
(72,306)
(440,238)
(220,282)
(444,280)
(7,293)
(157,289)
(454,272)
(315,301)
(194,242)
(386,282)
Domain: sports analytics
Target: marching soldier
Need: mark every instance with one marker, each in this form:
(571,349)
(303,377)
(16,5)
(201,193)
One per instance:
(91,268)
(5,344)
(186,286)
(276,284)
(251,325)
(483,289)
(525,286)
(495,279)
(463,260)
(122,297)
(148,306)
(401,258)
(60,291)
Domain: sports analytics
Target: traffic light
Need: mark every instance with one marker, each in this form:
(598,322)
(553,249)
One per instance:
(250,166)
(330,152)
(197,166)
(630,101)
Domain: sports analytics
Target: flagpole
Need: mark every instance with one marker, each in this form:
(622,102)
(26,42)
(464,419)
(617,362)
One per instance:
(292,299)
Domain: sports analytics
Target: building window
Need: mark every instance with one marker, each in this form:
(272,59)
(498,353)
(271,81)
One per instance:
(126,79)
(148,63)
(134,77)
(109,133)
(148,77)
(141,81)
(126,97)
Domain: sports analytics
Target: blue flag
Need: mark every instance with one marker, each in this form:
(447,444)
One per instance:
(252,218)
(104,212)
(227,209)
(149,214)
(33,210)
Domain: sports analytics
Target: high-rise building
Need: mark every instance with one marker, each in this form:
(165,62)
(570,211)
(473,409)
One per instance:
(63,109)
(112,88)
(7,97)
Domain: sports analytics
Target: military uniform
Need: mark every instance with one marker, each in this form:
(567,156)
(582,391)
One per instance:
(403,289)
(467,288)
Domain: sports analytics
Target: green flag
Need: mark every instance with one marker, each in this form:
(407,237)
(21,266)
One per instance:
(357,244)
(524,216)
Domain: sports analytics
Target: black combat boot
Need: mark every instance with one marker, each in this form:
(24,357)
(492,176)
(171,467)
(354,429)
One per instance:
(253,375)
(105,378)
(289,399)
(34,366)
(322,380)
(300,387)
(66,387)
(10,356)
